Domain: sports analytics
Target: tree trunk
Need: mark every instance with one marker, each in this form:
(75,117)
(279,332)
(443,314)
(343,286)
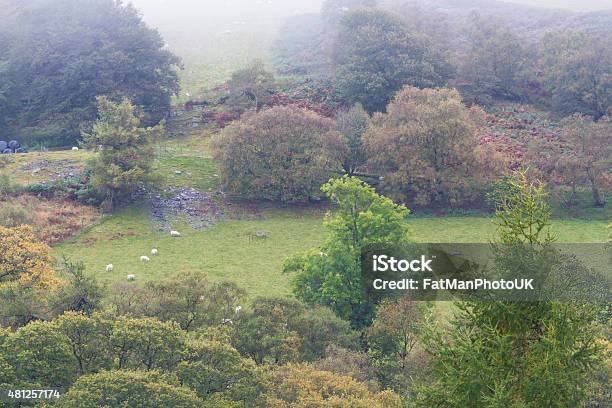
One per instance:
(598,200)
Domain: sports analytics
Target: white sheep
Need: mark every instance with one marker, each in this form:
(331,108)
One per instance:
(109,267)
(75,148)
(227,321)
(238,308)
(175,234)
(131,277)
(144,258)
(154,251)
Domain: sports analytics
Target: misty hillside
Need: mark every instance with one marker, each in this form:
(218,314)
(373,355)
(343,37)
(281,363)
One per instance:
(525,16)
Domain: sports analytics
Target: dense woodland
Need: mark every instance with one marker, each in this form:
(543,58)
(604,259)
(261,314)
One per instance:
(371,110)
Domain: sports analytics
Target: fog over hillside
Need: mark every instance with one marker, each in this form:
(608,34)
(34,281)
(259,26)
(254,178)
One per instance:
(575,5)
(169,13)
(214,37)
(191,24)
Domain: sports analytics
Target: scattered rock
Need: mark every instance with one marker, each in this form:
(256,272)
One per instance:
(200,210)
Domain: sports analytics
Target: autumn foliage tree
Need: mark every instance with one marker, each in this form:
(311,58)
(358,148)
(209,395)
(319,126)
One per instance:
(577,68)
(301,386)
(276,154)
(590,154)
(426,151)
(26,276)
(23,258)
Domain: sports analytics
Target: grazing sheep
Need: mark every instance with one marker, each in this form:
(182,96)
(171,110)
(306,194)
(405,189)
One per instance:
(175,234)
(144,258)
(227,321)
(154,251)
(238,308)
(75,148)
(131,277)
(109,267)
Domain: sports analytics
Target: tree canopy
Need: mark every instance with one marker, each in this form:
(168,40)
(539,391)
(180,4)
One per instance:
(276,154)
(57,56)
(578,68)
(426,150)
(331,275)
(376,55)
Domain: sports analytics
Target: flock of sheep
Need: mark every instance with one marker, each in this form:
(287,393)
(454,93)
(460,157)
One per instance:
(143,258)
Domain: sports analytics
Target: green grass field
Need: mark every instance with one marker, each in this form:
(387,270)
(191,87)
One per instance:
(229,250)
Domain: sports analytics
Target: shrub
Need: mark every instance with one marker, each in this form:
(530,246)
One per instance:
(14,216)
(276,154)
(7,187)
(47,190)
(250,88)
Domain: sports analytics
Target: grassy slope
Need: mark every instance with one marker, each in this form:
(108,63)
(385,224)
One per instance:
(36,167)
(228,251)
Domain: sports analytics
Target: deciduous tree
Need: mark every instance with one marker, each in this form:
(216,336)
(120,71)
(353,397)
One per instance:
(591,152)
(125,388)
(146,343)
(276,154)
(497,62)
(251,88)
(40,357)
(301,386)
(331,274)
(23,258)
(577,68)
(59,55)
(392,338)
(281,331)
(376,55)
(217,372)
(352,125)
(426,150)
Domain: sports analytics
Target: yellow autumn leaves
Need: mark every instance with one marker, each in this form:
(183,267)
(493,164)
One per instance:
(24,260)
